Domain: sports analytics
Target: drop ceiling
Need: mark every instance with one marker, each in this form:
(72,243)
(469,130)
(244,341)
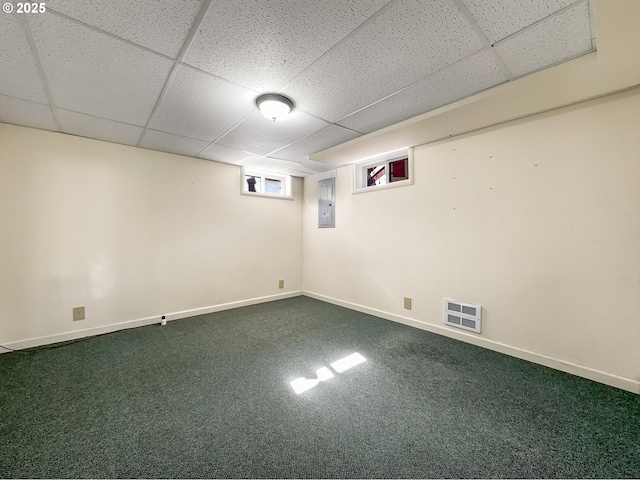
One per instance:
(182,76)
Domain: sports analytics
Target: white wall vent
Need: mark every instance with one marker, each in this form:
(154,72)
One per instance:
(463,315)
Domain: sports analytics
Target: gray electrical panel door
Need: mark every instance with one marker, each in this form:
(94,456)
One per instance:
(326,203)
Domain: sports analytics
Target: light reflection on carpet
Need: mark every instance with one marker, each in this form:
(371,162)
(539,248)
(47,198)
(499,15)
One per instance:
(323,374)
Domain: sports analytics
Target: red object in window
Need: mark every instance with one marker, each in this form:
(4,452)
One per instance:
(399,170)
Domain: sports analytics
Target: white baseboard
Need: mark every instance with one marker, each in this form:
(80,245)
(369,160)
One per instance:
(141,322)
(623,383)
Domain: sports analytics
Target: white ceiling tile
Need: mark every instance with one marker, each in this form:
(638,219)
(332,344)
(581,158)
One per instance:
(325,138)
(466,77)
(299,171)
(267,163)
(198,105)
(500,18)
(275,40)
(409,41)
(99,128)
(220,153)
(29,114)
(257,134)
(560,38)
(167,142)
(317,167)
(161,25)
(93,73)
(20,77)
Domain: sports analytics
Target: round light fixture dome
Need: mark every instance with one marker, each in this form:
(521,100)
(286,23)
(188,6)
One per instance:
(274,106)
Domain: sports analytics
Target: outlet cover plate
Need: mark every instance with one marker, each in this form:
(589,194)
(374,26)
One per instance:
(78,313)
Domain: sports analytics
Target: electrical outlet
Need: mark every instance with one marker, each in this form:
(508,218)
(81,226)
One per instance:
(407,303)
(280,283)
(78,313)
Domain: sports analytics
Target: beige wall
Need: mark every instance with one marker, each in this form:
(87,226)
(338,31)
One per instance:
(538,220)
(130,234)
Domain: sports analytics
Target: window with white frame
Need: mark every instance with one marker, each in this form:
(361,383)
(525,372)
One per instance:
(392,169)
(267,184)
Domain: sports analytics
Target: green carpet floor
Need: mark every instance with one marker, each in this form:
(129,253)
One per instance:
(210,397)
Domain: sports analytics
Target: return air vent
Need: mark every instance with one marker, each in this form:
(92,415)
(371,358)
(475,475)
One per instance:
(463,315)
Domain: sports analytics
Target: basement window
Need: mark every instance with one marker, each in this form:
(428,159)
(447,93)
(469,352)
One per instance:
(392,169)
(265,184)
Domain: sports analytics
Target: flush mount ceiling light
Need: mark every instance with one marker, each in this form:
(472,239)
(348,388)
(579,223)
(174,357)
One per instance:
(274,105)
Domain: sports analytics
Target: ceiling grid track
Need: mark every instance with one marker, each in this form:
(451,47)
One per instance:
(177,62)
(542,20)
(43,77)
(108,34)
(487,45)
(305,137)
(592,22)
(359,28)
(387,97)
(227,131)
(399,91)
